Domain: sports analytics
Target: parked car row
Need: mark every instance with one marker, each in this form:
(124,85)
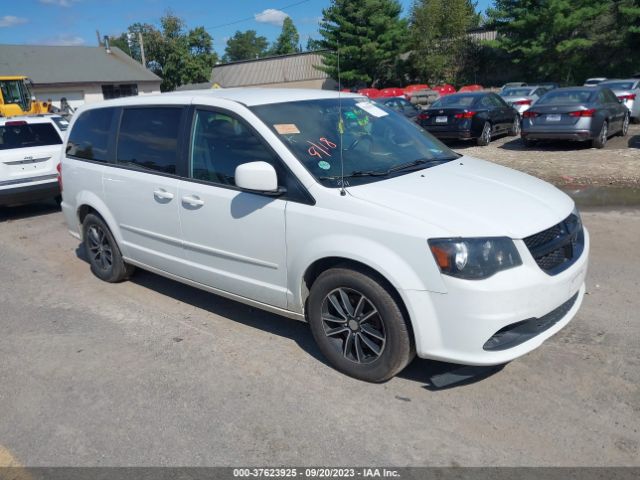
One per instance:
(588,113)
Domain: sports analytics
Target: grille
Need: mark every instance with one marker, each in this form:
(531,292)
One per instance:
(557,248)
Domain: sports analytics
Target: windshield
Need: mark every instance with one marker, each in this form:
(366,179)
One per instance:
(15,91)
(567,97)
(455,101)
(516,92)
(376,142)
(619,85)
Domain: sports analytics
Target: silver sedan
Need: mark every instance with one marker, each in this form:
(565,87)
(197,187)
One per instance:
(578,113)
(521,98)
(628,92)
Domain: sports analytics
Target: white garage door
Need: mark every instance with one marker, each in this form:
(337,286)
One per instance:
(74,97)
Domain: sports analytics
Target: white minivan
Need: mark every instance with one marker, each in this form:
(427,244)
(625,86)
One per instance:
(331,209)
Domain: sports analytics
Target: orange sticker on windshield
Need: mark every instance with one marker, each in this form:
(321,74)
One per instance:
(286,128)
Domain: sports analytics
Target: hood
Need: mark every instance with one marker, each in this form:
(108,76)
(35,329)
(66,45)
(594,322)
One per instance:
(471,197)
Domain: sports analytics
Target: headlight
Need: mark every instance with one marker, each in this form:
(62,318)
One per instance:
(474,258)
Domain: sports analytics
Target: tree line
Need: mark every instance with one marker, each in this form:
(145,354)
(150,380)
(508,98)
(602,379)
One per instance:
(376,45)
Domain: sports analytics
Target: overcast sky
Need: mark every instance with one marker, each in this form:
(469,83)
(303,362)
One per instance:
(74,22)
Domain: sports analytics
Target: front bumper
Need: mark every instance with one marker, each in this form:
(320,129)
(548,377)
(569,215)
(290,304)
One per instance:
(19,193)
(456,326)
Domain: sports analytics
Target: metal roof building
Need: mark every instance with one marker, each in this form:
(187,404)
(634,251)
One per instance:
(81,74)
(297,70)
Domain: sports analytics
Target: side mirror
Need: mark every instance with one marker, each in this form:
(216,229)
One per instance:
(258,177)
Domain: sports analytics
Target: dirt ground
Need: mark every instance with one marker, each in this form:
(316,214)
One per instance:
(567,164)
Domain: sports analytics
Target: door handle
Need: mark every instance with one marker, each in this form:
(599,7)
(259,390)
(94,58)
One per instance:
(192,201)
(162,194)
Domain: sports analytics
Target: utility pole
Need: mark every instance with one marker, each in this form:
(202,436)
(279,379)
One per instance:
(98,37)
(144,60)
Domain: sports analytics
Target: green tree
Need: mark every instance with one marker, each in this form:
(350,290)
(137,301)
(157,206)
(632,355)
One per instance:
(369,36)
(313,45)
(176,55)
(245,46)
(441,48)
(288,41)
(569,41)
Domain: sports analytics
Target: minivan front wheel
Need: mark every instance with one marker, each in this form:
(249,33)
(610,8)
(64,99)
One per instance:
(103,252)
(358,325)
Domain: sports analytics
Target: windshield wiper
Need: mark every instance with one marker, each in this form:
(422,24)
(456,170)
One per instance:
(397,168)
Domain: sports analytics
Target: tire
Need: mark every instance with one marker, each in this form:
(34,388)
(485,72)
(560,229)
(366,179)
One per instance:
(601,140)
(485,137)
(515,128)
(374,348)
(103,251)
(625,126)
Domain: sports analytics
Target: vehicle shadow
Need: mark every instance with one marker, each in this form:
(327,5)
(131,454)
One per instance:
(438,376)
(545,145)
(9,214)
(434,375)
(634,142)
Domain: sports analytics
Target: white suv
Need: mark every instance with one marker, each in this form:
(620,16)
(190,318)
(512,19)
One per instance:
(30,149)
(331,209)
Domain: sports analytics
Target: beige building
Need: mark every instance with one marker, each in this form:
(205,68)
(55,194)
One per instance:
(80,74)
(297,70)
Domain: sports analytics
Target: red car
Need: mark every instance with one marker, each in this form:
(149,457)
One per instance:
(409,89)
(370,92)
(445,89)
(392,92)
(471,88)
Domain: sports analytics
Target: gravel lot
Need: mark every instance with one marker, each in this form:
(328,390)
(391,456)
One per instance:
(567,163)
(151,372)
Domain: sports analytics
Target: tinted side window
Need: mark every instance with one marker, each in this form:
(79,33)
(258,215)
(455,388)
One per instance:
(498,102)
(611,97)
(148,138)
(90,135)
(602,97)
(220,143)
(486,102)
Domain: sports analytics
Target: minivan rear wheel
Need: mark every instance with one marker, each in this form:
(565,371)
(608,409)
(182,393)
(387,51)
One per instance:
(103,252)
(358,325)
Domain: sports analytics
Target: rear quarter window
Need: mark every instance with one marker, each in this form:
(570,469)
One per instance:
(89,138)
(26,135)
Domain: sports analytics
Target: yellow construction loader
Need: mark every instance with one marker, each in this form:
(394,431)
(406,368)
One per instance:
(16,97)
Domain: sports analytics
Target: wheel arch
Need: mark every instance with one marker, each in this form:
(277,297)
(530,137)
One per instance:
(89,202)
(316,268)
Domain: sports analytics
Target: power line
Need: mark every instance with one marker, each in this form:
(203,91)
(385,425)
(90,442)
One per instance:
(253,18)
